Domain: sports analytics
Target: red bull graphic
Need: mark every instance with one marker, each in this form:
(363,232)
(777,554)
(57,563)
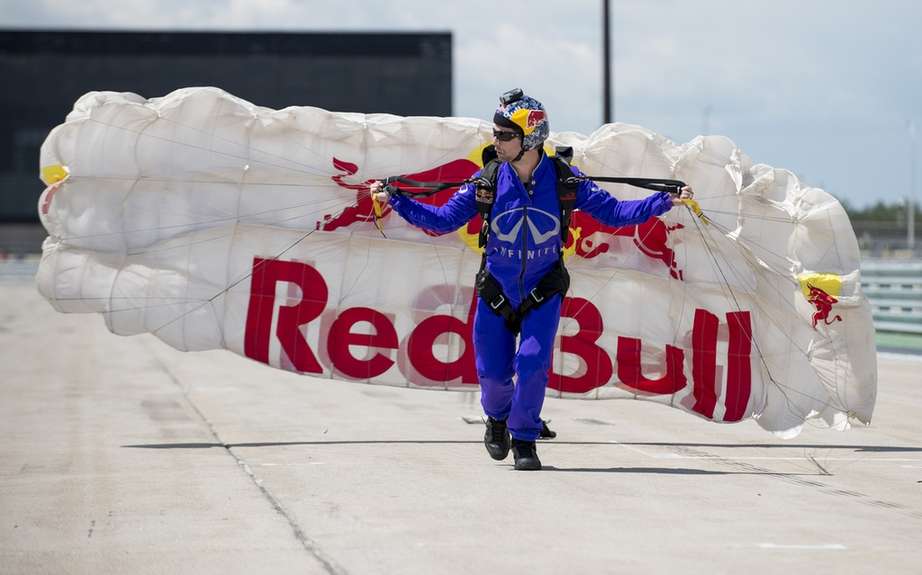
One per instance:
(363,209)
(54,177)
(48,195)
(592,238)
(413,352)
(535,117)
(453,171)
(823,303)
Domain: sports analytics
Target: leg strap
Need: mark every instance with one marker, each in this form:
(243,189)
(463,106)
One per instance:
(557,280)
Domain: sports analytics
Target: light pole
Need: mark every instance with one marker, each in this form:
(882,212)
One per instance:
(607,69)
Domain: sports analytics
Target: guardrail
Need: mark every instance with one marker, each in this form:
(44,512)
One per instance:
(18,268)
(894,288)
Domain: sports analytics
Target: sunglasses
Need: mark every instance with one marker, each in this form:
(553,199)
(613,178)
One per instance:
(504,136)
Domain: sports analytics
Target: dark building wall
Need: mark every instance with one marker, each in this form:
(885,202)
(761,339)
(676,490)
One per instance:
(44,73)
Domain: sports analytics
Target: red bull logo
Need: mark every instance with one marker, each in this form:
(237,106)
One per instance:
(363,209)
(535,117)
(48,195)
(591,238)
(54,177)
(823,303)
(821,289)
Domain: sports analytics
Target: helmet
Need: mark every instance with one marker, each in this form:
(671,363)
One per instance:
(525,115)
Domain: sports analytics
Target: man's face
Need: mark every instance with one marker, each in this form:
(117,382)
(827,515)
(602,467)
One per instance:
(506,149)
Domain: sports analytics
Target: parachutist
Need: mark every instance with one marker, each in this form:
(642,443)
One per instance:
(525,199)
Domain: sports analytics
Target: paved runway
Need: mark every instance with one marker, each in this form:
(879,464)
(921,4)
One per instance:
(121,455)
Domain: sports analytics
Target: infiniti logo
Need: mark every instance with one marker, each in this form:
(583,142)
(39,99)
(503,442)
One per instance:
(537,220)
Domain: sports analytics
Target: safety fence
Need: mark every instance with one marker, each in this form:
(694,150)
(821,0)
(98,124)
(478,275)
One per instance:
(894,288)
(19,268)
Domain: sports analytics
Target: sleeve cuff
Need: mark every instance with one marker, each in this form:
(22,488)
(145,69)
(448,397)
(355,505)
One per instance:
(663,203)
(396,200)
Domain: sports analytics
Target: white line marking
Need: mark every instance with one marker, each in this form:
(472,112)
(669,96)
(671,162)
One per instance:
(822,547)
(640,451)
(863,457)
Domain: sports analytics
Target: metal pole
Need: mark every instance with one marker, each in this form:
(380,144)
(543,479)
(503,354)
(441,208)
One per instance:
(608,114)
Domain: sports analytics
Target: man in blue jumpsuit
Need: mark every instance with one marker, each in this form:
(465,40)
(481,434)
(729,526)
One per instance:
(523,246)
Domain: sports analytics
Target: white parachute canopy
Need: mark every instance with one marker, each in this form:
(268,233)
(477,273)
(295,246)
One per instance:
(214,223)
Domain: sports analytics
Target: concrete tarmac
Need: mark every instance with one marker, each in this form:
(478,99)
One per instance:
(122,455)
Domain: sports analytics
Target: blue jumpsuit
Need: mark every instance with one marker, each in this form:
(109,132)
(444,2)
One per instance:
(524,244)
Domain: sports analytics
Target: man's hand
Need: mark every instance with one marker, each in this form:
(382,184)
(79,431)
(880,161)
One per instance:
(377,192)
(686,194)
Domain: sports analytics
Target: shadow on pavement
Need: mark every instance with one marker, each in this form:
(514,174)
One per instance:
(663,471)
(865,448)
(286,443)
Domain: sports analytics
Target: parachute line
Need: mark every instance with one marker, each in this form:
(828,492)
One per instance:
(784,389)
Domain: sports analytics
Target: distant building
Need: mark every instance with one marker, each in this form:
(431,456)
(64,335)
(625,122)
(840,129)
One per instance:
(44,72)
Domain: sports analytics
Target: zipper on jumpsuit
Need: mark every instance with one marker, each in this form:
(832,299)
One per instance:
(529,188)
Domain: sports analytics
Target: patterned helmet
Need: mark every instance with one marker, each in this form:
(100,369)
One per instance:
(525,115)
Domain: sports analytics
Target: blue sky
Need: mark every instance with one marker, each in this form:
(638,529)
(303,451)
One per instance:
(824,88)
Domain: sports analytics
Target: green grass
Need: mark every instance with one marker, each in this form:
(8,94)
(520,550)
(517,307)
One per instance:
(903,342)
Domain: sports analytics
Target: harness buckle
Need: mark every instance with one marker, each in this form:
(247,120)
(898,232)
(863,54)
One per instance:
(495,304)
(535,295)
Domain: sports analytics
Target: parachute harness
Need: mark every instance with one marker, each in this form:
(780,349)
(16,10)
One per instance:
(417,189)
(557,280)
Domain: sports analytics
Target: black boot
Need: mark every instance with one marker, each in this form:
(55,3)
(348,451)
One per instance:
(497,439)
(526,458)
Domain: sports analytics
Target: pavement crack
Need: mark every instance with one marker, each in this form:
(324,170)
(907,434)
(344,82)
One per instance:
(820,467)
(309,545)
